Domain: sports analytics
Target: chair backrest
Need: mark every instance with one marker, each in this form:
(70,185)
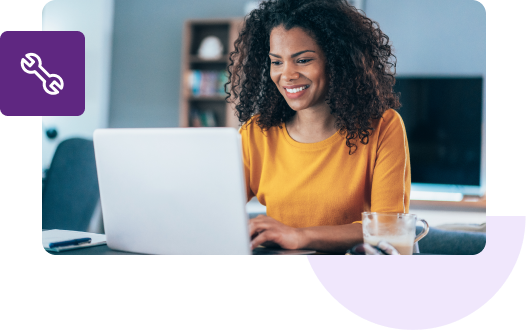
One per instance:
(71,190)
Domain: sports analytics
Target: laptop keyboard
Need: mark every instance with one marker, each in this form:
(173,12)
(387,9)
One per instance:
(268,251)
(264,251)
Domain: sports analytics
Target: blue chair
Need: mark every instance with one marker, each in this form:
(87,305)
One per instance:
(70,193)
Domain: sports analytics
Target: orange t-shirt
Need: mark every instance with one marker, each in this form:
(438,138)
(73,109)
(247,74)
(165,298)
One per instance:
(317,184)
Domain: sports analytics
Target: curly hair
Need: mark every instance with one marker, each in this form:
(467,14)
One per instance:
(360,65)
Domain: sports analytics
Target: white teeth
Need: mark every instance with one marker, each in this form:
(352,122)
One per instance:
(295,90)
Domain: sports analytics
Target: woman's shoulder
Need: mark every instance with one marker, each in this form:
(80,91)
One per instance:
(390,116)
(390,119)
(389,127)
(249,124)
(251,128)
(251,131)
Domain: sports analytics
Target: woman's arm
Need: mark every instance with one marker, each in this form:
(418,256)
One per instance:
(333,239)
(391,184)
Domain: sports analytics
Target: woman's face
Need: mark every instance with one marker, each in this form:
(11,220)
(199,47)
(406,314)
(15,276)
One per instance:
(298,68)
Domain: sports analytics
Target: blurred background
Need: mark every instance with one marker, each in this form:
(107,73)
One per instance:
(160,63)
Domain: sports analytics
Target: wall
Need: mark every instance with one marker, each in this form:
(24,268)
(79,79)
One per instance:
(80,15)
(431,37)
(147,57)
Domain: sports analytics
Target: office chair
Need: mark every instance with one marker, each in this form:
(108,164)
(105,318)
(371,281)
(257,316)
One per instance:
(70,194)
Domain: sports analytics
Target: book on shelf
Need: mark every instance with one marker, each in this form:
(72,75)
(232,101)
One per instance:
(206,118)
(207,83)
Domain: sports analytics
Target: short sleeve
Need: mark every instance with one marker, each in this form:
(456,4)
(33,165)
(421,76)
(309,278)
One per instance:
(246,160)
(391,184)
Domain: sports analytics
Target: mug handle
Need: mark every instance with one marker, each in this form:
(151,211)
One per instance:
(424,232)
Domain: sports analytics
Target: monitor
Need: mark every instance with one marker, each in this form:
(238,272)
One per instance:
(444,122)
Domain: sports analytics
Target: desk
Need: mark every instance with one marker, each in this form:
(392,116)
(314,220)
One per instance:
(93,250)
(100,250)
(105,250)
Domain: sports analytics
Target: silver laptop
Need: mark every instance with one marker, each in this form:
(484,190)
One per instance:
(173,191)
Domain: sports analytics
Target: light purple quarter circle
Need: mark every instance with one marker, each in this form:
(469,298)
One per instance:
(422,292)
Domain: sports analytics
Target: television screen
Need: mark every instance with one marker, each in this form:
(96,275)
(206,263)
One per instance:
(443,120)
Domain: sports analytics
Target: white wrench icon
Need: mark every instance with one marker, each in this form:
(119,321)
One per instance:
(50,81)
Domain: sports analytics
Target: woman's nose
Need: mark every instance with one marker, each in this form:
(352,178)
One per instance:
(289,73)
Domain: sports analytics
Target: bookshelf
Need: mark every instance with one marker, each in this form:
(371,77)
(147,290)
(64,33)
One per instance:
(194,71)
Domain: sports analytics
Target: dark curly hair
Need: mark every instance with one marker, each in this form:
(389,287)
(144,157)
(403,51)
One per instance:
(360,65)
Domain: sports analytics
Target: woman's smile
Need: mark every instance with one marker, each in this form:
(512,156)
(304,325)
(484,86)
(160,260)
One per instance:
(295,91)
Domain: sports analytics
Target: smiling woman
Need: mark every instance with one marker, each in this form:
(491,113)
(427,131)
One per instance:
(311,79)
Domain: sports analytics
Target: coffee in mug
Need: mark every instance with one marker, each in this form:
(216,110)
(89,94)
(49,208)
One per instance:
(397,229)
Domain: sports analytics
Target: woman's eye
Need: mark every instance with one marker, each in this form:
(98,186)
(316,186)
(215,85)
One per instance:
(299,61)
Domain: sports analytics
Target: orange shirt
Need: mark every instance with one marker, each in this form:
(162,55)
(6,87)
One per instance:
(317,184)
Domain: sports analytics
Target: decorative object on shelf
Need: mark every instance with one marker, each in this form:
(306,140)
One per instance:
(211,48)
(207,83)
(206,118)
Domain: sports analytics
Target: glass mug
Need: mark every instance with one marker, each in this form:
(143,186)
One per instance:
(397,229)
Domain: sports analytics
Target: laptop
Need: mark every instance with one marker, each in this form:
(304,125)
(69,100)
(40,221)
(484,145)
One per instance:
(174,191)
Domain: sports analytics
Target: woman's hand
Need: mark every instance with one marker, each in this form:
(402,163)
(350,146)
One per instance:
(266,230)
(382,248)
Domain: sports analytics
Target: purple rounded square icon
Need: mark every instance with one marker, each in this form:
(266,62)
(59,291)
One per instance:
(42,73)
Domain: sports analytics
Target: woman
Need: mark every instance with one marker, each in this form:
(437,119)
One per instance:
(313,87)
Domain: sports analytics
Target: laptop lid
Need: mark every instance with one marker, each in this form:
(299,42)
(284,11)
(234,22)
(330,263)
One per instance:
(172,190)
